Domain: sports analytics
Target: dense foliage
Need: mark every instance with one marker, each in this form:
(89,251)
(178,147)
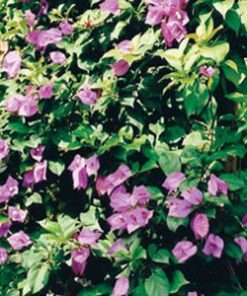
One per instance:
(123,131)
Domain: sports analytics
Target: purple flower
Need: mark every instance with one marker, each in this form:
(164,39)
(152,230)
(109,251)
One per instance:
(155,15)
(242,243)
(173,181)
(200,225)
(141,195)
(121,201)
(8,190)
(92,165)
(3,256)
(88,96)
(216,186)
(110,6)
(120,68)
(58,57)
(179,208)
(125,46)
(30,18)
(37,153)
(244,220)
(4,228)
(207,71)
(19,240)
(46,91)
(192,294)
(172,31)
(66,28)
(14,103)
(88,237)
(179,16)
(44,7)
(12,63)
(117,221)
(79,173)
(214,246)
(137,218)
(193,195)
(184,250)
(79,260)
(4,149)
(36,175)
(115,247)
(121,287)
(22,105)
(16,214)
(42,38)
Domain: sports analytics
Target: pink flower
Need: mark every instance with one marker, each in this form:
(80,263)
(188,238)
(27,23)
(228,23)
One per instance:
(79,173)
(207,71)
(121,287)
(244,220)
(14,103)
(137,218)
(193,195)
(8,190)
(216,186)
(192,294)
(42,38)
(79,260)
(46,91)
(19,240)
(66,28)
(58,57)
(30,18)
(44,7)
(120,68)
(110,6)
(4,149)
(116,247)
(88,96)
(179,208)
(125,46)
(36,175)
(172,31)
(37,153)
(22,105)
(173,181)
(141,195)
(88,237)
(16,214)
(4,228)
(214,246)
(121,200)
(3,256)
(117,221)
(184,250)
(179,16)
(155,15)
(200,225)
(92,165)
(242,243)
(12,63)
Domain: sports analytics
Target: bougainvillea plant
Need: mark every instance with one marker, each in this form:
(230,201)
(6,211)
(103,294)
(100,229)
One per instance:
(123,132)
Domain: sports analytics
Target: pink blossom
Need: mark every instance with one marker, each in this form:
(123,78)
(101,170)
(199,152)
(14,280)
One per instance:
(16,214)
(121,287)
(137,218)
(66,28)
(217,186)
(179,208)
(141,195)
(184,250)
(207,71)
(28,108)
(58,57)
(200,225)
(42,38)
(46,91)
(179,16)
(92,165)
(37,153)
(242,243)
(173,181)
(3,256)
(79,173)
(8,190)
(88,96)
(155,15)
(115,247)
(214,246)
(192,294)
(14,103)
(125,46)
(4,149)
(244,220)
(193,195)
(110,6)
(121,200)
(30,18)
(79,260)
(88,237)
(12,63)
(36,175)
(4,228)
(117,221)
(120,68)
(19,240)
(172,31)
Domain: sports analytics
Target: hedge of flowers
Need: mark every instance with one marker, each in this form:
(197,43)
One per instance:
(123,131)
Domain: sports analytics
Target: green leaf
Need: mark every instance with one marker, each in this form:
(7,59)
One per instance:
(234,182)
(173,223)
(35,198)
(100,290)
(223,6)
(56,167)
(216,52)
(178,280)
(38,276)
(157,284)
(159,256)
(169,162)
(233,250)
